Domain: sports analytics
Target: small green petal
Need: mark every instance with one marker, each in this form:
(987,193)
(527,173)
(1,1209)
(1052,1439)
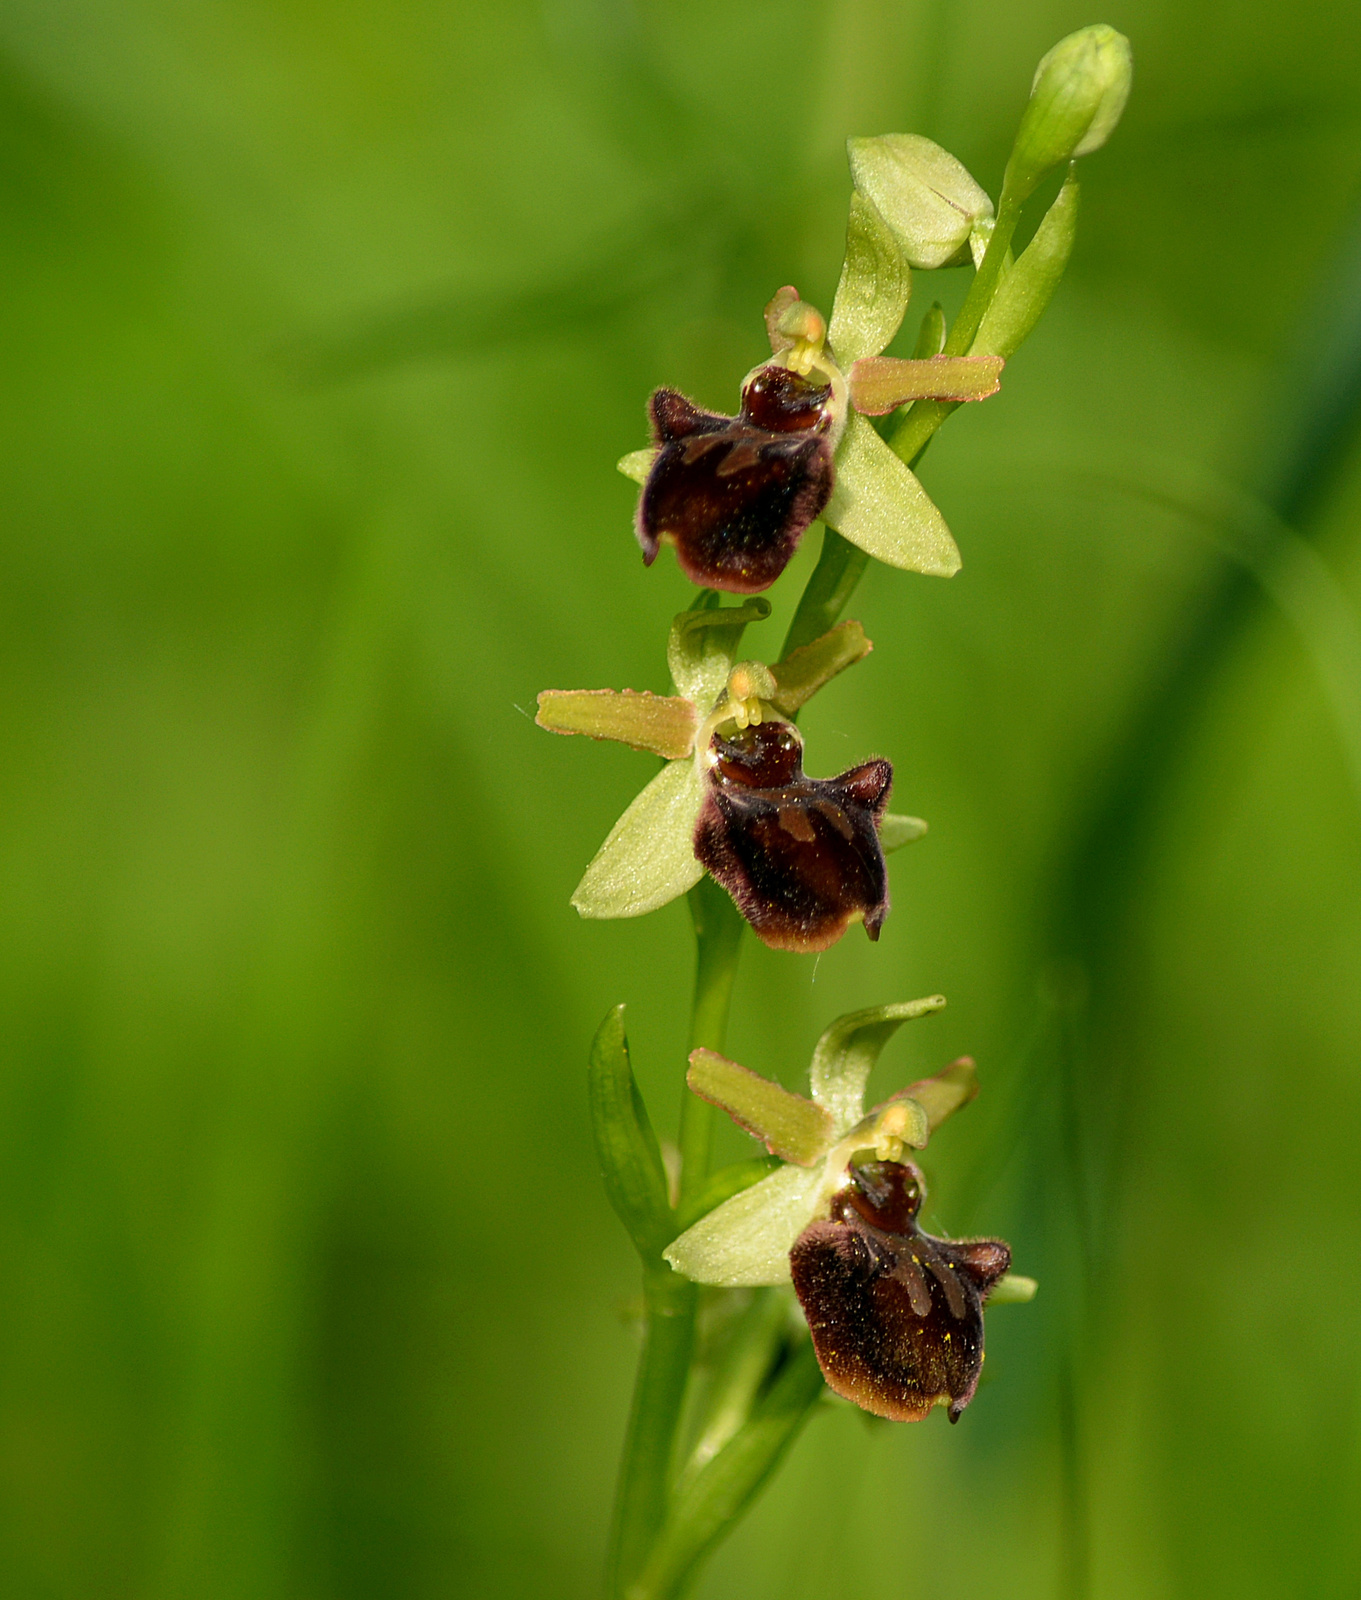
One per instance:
(943,1095)
(1012,1290)
(896,831)
(880,384)
(662,724)
(925,195)
(846,1053)
(790,1127)
(872,296)
(879,505)
(746,1241)
(804,671)
(703,646)
(1028,288)
(637,463)
(649,857)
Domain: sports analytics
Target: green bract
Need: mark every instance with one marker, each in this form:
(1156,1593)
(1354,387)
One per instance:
(1029,286)
(648,857)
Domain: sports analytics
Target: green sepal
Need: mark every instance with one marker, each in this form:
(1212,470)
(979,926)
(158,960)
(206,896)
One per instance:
(1029,286)
(630,1158)
(876,282)
(926,197)
(895,831)
(943,1095)
(879,506)
(880,384)
(846,1053)
(723,1185)
(637,463)
(661,724)
(745,1242)
(804,671)
(789,1125)
(703,645)
(649,855)
(1012,1290)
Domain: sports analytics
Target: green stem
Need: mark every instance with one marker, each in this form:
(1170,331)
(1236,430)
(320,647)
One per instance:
(710,1506)
(658,1392)
(718,941)
(828,591)
(917,428)
(645,1473)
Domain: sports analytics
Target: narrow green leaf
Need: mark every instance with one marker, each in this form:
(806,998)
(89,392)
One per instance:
(630,1159)
(879,505)
(846,1053)
(649,856)
(926,197)
(895,831)
(880,384)
(1013,1290)
(943,1095)
(871,298)
(746,1241)
(804,671)
(703,645)
(788,1125)
(715,1499)
(637,463)
(661,724)
(1028,288)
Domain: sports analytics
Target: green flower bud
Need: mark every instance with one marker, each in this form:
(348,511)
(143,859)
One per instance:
(1079,92)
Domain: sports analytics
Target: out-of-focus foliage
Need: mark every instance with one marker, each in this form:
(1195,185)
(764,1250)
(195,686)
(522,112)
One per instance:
(325,326)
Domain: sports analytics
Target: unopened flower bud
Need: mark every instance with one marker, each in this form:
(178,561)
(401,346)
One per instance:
(1079,92)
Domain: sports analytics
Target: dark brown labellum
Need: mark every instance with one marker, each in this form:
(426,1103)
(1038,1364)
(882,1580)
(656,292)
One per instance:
(735,494)
(800,856)
(896,1316)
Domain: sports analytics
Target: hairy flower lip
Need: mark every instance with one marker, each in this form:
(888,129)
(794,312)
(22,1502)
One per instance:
(896,1314)
(800,856)
(735,495)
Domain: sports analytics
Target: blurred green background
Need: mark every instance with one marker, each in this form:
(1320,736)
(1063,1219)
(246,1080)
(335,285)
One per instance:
(324,327)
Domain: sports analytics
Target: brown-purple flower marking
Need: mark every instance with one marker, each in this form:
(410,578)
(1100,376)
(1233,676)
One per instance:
(896,1315)
(801,856)
(736,494)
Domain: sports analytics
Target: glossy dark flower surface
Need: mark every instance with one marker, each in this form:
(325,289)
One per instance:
(896,1315)
(800,856)
(735,494)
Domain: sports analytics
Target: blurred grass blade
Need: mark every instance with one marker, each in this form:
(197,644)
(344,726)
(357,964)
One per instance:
(630,1158)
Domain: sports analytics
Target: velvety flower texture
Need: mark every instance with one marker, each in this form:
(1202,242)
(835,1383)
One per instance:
(800,856)
(736,494)
(896,1316)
